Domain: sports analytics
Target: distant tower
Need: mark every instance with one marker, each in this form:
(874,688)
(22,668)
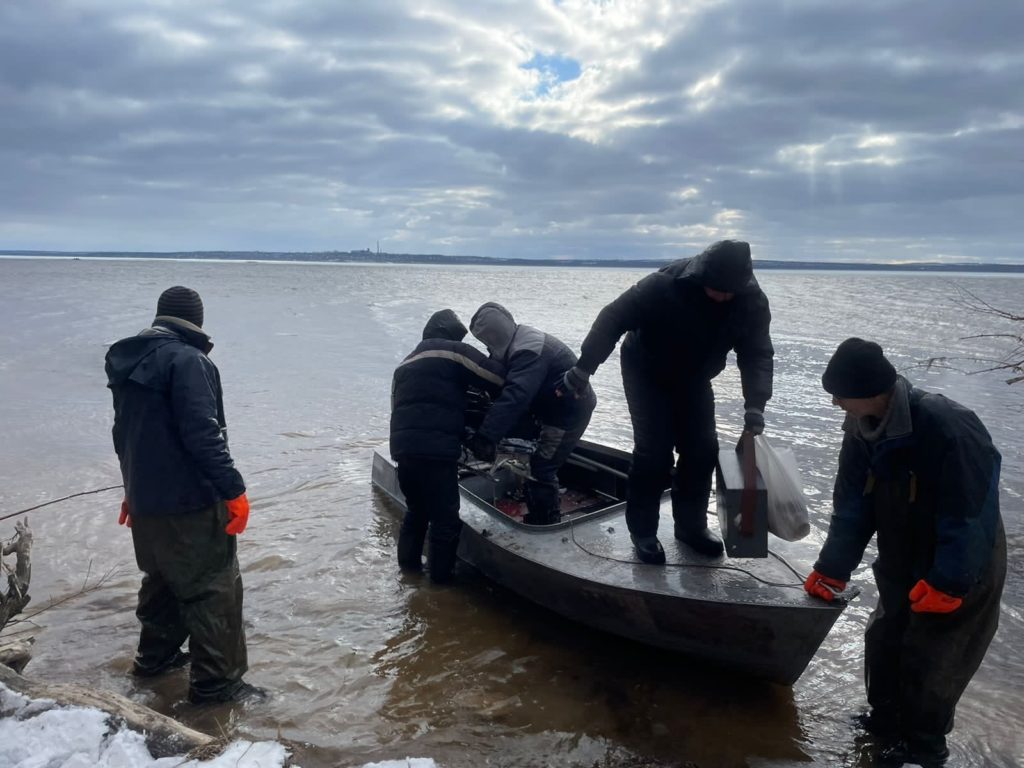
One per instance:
(378,247)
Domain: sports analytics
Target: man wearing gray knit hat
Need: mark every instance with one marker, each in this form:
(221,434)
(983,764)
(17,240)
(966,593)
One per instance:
(921,472)
(184,501)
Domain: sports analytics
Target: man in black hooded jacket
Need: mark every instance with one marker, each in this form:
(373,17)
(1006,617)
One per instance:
(184,500)
(680,324)
(428,417)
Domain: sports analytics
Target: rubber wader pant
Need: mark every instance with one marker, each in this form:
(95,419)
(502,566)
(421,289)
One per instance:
(191,589)
(917,665)
(664,418)
(431,490)
(554,445)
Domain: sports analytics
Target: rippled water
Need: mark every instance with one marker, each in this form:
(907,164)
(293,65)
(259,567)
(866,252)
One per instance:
(366,664)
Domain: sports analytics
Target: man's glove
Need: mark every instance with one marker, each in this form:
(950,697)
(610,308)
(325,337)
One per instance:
(238,515)
(825,587)
(482,448)
(125,517)
(924,598)
(574,381)
(753,421)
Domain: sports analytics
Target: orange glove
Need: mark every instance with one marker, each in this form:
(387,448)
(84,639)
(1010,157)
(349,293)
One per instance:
(825,587)
(125,517)
(238,514)
(924,598)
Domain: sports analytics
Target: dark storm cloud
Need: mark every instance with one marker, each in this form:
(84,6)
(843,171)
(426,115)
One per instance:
(815,129)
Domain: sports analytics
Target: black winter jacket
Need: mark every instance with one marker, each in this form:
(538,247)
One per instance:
(679,336)
(169,426)
(929,488)
(428,397)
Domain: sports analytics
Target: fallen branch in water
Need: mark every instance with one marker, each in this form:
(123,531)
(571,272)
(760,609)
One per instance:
(85,589)
(16,597)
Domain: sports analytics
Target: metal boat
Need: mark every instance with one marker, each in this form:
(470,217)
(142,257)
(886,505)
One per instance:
(750,615)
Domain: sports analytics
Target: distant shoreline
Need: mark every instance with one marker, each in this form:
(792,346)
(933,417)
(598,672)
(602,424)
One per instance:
(369,257)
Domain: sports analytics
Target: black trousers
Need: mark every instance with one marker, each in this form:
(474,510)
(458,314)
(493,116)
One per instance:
(191,589)
(667,417)
(917,665)
(431,490)
(554,444)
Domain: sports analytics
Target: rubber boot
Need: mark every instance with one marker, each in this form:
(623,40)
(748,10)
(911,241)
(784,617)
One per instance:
(441,559)
(649,549)
(542,504)
(701,540)
(410,547)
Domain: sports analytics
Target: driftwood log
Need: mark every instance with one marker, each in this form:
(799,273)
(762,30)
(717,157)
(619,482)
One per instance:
(164,735)
(16,652)
(14,600)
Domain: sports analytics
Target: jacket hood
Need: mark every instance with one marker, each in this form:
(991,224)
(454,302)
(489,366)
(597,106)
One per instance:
(494,326)
(444,324)
(124,356)
(723,266)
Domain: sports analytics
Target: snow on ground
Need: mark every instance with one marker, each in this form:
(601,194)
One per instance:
(38,733)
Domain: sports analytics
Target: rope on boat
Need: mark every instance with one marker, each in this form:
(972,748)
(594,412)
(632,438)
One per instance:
(63,498)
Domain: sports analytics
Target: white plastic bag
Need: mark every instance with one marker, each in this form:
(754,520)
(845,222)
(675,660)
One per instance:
(787,506)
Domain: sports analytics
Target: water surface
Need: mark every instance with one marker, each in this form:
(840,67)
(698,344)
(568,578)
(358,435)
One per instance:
(366,664)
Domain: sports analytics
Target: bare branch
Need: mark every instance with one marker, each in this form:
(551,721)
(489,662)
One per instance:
(1012,361)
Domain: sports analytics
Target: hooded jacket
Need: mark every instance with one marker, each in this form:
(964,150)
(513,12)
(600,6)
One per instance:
(535,363)
(928,485)
(429,390)
(679,336)
(169,427)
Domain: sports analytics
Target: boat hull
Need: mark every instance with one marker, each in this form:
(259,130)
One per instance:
(747,615)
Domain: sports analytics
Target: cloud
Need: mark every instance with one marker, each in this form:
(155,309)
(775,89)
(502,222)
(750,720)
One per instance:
(883,130)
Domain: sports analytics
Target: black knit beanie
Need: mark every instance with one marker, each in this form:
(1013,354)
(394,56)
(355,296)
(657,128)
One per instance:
(858,369)
(182,303)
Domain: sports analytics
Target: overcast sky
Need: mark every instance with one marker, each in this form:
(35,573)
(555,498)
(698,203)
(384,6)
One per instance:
(815,129)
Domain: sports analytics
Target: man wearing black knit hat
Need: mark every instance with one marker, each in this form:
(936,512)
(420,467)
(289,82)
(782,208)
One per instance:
(184,500)
(680,324)
(921,472)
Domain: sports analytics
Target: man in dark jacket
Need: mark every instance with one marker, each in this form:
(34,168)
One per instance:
(428,413)
(184,500)
(535,363)
(920,471)
(680,324)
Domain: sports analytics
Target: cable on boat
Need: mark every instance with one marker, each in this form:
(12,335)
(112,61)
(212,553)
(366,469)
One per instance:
(572,530)
(63,498)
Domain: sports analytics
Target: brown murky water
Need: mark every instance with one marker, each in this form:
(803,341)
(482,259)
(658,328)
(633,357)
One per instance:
(366,664)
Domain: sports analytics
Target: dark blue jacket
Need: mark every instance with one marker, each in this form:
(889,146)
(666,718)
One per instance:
(429,391)
(930,493)
(169,426)
(679,336)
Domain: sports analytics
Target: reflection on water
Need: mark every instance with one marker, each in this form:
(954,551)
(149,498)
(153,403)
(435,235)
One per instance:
(367,664)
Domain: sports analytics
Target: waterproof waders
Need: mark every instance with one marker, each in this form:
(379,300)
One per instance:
(191,589)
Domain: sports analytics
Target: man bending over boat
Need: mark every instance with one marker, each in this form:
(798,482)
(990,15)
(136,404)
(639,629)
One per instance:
(921,472)
(428,414)
(680,324)
(535,363)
